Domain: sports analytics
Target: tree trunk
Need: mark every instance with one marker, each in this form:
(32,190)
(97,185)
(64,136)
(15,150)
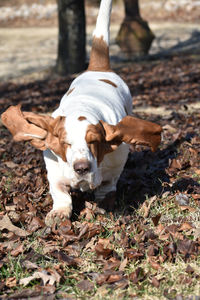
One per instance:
(135,36)
(131,9)
(71,39)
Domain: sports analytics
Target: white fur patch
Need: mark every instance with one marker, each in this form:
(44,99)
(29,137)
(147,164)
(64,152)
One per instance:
(103,21)
(78,150)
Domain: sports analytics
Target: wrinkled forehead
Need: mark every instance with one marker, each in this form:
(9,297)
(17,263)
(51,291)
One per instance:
(76,129)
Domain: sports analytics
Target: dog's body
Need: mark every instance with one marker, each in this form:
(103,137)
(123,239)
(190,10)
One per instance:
(93,97)
(86,141)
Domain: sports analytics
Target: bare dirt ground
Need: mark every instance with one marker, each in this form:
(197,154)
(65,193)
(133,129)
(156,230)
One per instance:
(34,49)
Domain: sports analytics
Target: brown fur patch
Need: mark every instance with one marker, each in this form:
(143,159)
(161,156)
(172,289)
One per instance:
(109,82)
(104,138)
(99,57)
(42,131)
(70,91)
(133,131)
(95,138)
(55,133)
(81,118)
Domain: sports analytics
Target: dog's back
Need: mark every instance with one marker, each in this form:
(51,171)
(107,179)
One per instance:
(98,93)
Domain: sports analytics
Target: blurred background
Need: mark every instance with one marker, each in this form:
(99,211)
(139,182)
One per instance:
(29,32)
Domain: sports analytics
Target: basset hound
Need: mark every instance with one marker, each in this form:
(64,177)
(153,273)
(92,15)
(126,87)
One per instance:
(86,140)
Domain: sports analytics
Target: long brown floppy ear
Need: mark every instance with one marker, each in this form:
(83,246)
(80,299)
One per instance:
(131,130)
(41,130)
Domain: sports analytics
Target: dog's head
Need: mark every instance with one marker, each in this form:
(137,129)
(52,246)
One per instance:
(78,143)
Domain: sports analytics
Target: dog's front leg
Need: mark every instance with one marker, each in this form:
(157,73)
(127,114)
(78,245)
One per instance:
(59,190)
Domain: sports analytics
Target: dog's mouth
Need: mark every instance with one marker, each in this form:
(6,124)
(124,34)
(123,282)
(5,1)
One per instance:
(86,183)
(84,186)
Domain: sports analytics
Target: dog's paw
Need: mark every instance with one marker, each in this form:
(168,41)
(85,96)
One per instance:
(57,216)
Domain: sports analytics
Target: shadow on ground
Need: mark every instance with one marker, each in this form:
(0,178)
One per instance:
(186,47)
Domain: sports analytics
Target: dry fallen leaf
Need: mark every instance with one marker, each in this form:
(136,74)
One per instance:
(99,278)
(133,254)
(85,285)
(121,284)
(11,164)
(18,250)
(29,265)
(154,264)
(11,282)
(123,264)
(111,264)
(189,208)
(182,199)
(137,275)
(101,249)
(156,219)
(175,164)
(68,259)
(185,227)
(115,277)
(169,128)
(5,223)
(35,224)
(33,293)
(87,214)
(155,282)
(196,233)
(89,230)
(146,206)
(197,171)
(50,279)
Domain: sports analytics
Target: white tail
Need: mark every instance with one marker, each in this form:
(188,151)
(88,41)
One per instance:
(99,57)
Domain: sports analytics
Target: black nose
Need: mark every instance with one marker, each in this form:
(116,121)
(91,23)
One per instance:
(82,167)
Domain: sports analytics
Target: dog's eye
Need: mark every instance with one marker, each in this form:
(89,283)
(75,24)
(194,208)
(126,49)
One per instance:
(68,144)
(92,142)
